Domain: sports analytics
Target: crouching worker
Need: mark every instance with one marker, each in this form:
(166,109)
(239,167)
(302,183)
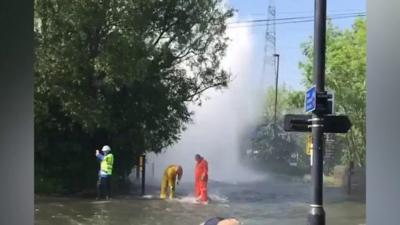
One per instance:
(169,179)
(221,221)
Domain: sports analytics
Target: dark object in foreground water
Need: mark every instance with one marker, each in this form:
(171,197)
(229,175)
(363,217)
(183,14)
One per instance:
(221,221)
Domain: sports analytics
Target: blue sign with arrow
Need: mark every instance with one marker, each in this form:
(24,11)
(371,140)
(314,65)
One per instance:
(311,99)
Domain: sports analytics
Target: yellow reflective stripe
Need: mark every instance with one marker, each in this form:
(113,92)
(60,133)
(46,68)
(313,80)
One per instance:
(107,164)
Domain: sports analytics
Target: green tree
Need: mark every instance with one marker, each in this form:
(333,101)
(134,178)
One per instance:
(289,101)
(121,73)
(345,75)
(273,146)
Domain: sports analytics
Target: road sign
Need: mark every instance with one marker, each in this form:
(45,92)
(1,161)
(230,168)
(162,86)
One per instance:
(331,123)
(321,102)
(336,124)
(297,123)
(311,99)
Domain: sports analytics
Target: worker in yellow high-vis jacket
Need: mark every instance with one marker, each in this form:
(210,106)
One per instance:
(106,159)
(171,173)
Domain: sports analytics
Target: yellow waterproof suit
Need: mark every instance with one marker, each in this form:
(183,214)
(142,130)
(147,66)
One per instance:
(169,180)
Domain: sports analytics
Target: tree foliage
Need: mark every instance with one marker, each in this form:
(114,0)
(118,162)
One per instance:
(345,75)
(121,73)
(288,101)
(270,142)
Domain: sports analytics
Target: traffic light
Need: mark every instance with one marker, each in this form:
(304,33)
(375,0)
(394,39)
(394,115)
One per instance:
(309,145)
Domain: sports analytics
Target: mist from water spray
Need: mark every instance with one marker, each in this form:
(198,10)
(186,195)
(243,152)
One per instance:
(220,122)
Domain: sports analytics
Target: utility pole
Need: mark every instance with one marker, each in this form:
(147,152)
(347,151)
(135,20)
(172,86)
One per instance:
(269,64)
(270,36)
(276,83)
(316,214)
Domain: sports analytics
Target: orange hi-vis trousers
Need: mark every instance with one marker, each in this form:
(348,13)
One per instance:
(201,179)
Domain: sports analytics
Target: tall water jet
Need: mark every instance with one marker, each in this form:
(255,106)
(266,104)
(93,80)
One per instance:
(221,121)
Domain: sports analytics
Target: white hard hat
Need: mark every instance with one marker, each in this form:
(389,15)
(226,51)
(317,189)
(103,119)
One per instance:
(106,148)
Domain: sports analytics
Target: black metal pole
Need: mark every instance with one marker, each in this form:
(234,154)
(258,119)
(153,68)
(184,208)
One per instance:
(317,214)
(349,174)
(137,172)
(152,171)
(276,85)
(143,162)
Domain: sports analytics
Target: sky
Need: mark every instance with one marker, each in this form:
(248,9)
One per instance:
(289,36)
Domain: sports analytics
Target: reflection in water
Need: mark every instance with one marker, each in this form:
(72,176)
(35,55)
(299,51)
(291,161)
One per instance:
(277,203)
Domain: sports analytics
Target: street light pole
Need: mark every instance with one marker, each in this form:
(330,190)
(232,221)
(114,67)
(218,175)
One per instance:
(276,84)
(143,167)
(317,214)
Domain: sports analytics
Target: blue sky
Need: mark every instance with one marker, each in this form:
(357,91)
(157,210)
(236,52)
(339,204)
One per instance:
(289,36)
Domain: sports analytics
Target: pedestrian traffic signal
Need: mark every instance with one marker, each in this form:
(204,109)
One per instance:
(309,145)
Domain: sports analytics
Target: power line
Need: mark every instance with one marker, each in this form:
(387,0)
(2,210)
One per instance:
(266,22)
(332,18)
(295,18)
(306,12)
(311,11)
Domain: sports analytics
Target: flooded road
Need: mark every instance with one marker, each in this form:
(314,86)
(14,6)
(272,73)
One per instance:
(262,203)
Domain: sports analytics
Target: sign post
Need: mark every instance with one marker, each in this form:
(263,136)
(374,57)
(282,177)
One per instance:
(320,104)
(316,214)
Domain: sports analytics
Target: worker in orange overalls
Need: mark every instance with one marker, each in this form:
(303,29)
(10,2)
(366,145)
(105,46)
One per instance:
(169,180)
(201,179)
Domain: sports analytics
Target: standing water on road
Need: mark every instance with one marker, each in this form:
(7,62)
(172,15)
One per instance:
(274,202)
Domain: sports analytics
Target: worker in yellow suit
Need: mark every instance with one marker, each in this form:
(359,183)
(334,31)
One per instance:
(169,180)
